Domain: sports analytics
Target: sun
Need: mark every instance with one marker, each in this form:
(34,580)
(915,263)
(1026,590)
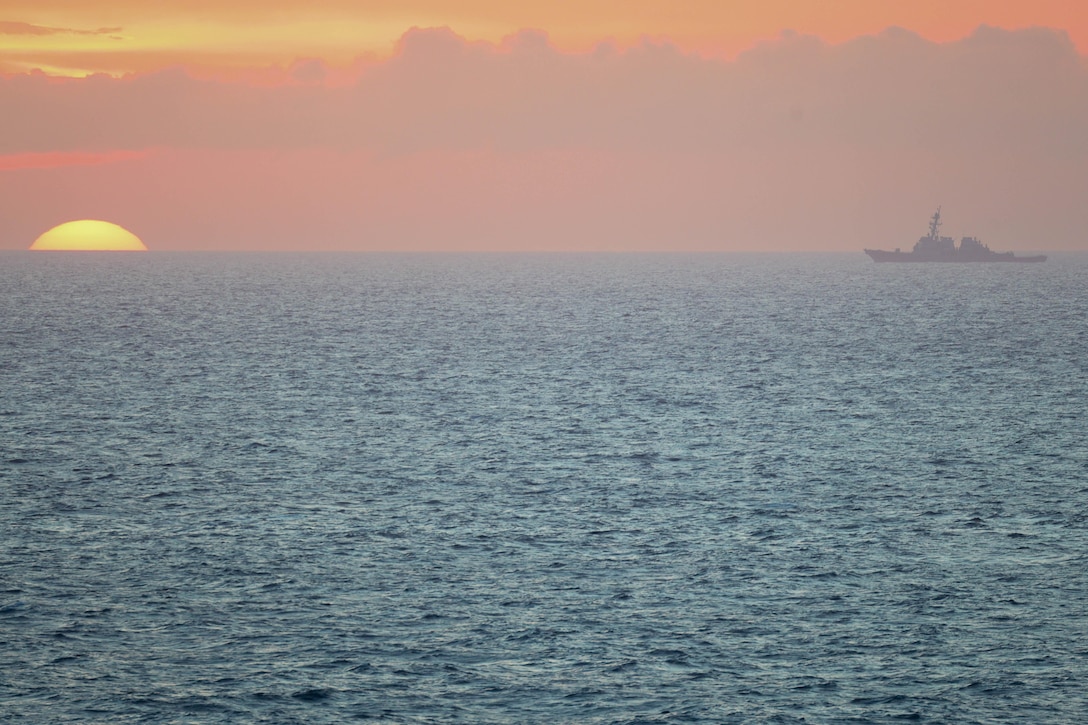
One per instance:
(89,235)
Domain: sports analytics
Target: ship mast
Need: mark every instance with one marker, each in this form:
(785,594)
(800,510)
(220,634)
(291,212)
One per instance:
(935,224)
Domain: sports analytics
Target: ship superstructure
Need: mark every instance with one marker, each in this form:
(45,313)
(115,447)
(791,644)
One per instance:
(935,248)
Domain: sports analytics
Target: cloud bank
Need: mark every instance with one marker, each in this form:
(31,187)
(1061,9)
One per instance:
(9,27)
(794,140)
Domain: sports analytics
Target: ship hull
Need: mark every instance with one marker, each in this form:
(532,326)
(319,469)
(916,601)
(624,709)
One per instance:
(880,255)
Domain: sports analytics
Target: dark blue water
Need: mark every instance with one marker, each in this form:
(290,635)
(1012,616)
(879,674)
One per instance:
(599,489)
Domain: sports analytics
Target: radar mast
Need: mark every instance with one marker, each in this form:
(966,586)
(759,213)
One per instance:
(935,224)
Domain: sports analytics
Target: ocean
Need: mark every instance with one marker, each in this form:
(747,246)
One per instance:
(280,488)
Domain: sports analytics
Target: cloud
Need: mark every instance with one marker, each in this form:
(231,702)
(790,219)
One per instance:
(9,27)
(60,159)
(1022,89)
(796,144)
(308,71)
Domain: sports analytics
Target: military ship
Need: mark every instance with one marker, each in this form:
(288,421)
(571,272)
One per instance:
(935,248)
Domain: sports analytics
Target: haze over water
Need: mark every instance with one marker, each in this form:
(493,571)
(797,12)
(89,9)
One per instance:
(614,489)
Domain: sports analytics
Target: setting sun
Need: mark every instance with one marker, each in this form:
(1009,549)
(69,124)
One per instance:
(89,235)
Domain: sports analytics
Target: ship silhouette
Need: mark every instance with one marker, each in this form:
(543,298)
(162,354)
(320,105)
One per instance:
(935,248)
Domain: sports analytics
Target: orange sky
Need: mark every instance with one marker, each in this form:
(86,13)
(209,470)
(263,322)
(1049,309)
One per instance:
(635,125)
(117,36)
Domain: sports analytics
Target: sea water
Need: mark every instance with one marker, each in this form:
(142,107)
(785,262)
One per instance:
(580,489)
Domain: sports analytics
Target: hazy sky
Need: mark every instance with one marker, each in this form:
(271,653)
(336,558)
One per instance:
(488,125)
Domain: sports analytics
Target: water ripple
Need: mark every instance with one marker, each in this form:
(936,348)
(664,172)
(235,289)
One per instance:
(541,489)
